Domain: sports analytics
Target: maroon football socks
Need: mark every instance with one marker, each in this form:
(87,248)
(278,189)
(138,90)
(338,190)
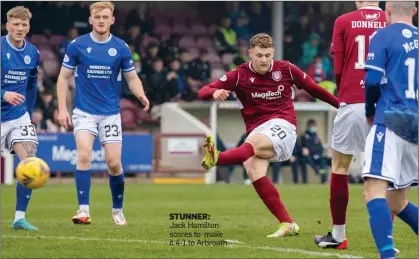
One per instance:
(270,196)
(339,197)
(236,155)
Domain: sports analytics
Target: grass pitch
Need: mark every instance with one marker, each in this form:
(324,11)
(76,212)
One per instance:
(243,222)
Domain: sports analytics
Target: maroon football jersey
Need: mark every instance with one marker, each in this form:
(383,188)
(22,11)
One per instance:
(263,97)
(351,35)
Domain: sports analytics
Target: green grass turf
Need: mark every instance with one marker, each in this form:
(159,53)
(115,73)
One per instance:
(236,208)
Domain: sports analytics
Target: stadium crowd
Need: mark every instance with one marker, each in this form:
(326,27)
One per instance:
(175,54)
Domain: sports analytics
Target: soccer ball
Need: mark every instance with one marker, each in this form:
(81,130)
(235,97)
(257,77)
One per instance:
(32,172)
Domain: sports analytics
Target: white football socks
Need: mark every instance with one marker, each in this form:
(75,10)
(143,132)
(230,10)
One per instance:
(338,233)
(19,215)
(85,208)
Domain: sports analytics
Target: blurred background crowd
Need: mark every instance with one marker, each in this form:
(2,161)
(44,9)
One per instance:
(177,51)
(178,47)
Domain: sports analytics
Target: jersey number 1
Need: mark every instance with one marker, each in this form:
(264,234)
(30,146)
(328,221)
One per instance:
(360,39)
(410,92)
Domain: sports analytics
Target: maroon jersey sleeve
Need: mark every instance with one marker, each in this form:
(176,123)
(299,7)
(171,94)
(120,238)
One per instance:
(228,82)
(337,37)
(337,48)
(303,81)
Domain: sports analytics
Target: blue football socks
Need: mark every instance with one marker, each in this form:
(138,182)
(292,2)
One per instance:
(83,183)
(117,184)
(381,227)
(410,216)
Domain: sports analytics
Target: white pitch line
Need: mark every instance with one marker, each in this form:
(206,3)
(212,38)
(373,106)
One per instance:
(237,244)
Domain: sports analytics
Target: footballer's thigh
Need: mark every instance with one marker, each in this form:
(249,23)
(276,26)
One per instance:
(113,151)
(85,132)
(22,138)
(274,139)
(84,144)
(256,167)
(110,135)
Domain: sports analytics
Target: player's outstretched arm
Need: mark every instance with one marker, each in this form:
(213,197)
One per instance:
(220,89)
(62,90)
(136,87)
(303,81)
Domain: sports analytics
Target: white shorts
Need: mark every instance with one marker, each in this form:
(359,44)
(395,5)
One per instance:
(283,136)
(18,130)
(108,127)
(391,158)
(350,129)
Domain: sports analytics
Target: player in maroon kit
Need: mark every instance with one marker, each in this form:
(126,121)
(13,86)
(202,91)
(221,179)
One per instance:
(264,89)
(351,34)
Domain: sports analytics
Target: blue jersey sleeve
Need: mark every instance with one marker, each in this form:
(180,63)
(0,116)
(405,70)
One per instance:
(32,88)
(127,64)
(376,58)
(70,58)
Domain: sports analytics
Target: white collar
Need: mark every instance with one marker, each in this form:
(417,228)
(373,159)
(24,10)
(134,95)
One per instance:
(270,70)
(13,46)
(371,8)
(100,42)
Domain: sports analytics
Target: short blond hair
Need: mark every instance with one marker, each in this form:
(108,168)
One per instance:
(99,6)
(19,12)
(262,40)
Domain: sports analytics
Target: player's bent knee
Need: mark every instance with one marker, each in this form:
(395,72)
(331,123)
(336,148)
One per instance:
(262,146)
(84,159)
(340,162)
(254,169)
(397,200)
(374,189)
(114,166)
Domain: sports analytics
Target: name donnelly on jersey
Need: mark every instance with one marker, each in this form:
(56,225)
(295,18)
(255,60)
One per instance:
(408,46)
(368,24)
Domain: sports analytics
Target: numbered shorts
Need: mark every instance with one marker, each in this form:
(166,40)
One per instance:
(108,127)
(18,130)
(283,136)
(350,129)
(391,158)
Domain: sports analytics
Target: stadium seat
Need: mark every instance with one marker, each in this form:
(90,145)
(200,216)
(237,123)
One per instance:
(212,29)
(55,40)
(187,42)
(212,50)
(204,43)
(227,59)
(199,30)
(193,53)
(51,67)
(46,54)
(162,29)
(217,73)
(180,29)
(147,40)
(164,37)
(38,39)
(217,65)
(212,58)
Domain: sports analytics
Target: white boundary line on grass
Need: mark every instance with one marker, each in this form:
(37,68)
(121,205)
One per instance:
(236,243)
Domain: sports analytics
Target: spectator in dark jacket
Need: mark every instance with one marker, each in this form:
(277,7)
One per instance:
(312,151)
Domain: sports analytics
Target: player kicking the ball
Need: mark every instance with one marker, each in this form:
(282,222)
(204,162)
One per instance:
(351,34)
(264,89)
(391,150)
(97,60)
(19,72)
